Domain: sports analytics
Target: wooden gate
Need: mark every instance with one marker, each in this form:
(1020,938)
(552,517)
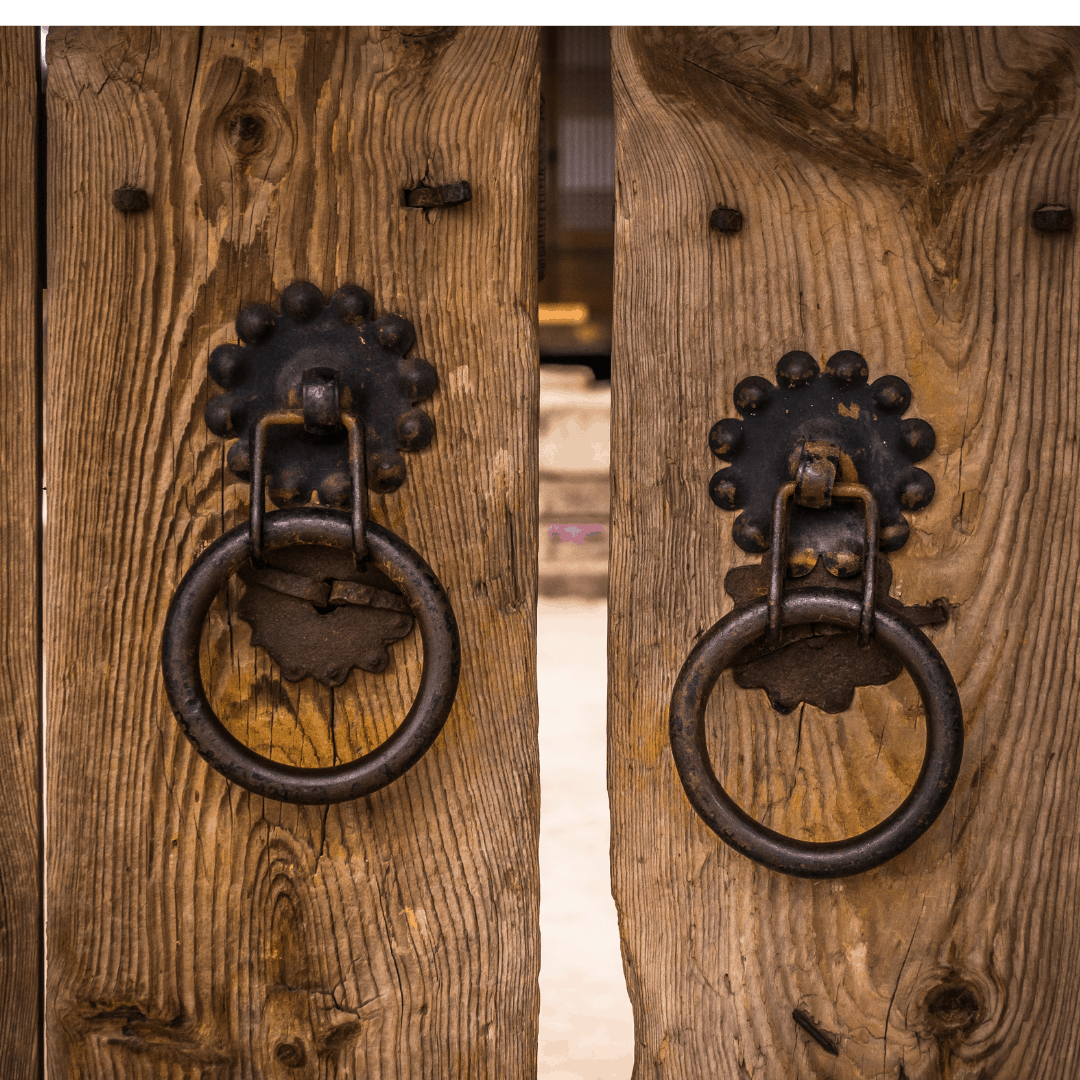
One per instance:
(195,929)
(887,181)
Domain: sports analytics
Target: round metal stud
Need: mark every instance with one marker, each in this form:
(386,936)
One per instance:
(351,304)
(796,369)
(414,430)
(394,333)
(750,534)
(220,417)
(845,560)
(418,379)
(302,301)
(848,368)
(239,459)
(917,438)
(288,486)
(891,394)
(335,490)
(386,471)
(725,438)
(893,535)
(916,489)
(724,490)
(255,323)
(753,394)
(227,366)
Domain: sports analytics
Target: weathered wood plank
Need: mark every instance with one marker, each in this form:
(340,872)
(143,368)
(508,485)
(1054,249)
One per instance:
(20,515)
(196,930)
(887,179)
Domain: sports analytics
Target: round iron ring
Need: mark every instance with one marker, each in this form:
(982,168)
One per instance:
(802,858)
(277,780)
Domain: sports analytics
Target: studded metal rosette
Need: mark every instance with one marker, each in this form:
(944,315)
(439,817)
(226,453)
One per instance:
(376,381)
(877,447)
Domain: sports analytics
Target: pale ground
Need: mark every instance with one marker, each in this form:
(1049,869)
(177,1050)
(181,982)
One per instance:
(586,1027)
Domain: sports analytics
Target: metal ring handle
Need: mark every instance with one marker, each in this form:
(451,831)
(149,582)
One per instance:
(276,780)
(802,858)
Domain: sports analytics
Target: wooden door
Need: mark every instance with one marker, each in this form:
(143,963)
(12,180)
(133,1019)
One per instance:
(20,514)
(887,181)
(196,930)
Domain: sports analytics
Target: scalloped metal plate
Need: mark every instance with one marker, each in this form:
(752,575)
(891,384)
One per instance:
(879,448)
(377,382)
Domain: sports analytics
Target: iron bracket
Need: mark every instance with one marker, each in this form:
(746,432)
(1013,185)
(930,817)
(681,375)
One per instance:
(800,445)
(321,399)
(357,365)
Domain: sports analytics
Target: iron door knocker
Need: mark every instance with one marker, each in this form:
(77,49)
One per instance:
(322,398)
(802,444)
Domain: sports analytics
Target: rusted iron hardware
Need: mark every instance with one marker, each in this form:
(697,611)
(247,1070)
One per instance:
(322,399)
(828,1042)
(802,446)
(717,650)
(363,361)
(428,197)
(726,219)
(817,428)
(843,454)
(1053,219)
(318,615)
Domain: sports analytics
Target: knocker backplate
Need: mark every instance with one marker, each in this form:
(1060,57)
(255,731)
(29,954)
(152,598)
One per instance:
(318,615)
(818,430)
(375,380)
(876,447)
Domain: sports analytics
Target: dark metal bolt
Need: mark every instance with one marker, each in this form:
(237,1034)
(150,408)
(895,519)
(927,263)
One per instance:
(796,369)
(302,301)
(753,394)
(724,491)
(726,219)
(254,323)
(426,198)
(726,438)
(1053,219)
(848,368)
(130,199)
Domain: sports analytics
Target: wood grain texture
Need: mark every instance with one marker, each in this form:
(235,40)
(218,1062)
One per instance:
(887,179)
(195,930)
(20,514)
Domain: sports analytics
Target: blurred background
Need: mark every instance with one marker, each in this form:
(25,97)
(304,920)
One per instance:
(586,1027)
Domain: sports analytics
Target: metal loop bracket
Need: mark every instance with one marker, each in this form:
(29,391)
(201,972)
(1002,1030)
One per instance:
(801,858)
(357,466)
(276,780)
(781,508)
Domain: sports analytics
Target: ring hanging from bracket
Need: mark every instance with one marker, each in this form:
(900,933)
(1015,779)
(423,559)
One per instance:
(364,366)
(277,780)
(811,439)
